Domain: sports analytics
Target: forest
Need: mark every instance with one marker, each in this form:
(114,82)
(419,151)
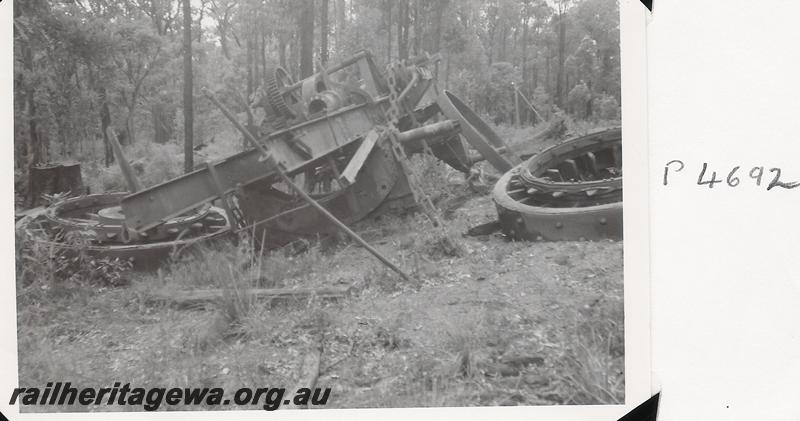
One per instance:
(457,310)
(82,66)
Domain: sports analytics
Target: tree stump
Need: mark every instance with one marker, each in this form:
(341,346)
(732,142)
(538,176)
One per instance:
(53,179)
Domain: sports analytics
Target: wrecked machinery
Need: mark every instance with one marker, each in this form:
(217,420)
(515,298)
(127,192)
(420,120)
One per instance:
(332,149)
(570,191)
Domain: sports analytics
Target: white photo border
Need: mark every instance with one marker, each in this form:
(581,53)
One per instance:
(633,18)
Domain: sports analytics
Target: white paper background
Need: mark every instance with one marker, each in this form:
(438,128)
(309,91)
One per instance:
(724,88)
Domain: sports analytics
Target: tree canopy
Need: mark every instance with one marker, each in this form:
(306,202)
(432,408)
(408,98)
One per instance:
(82,66)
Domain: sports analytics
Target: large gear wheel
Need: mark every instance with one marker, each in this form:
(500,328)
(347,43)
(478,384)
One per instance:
(99,223)
(284,104)
(570,191)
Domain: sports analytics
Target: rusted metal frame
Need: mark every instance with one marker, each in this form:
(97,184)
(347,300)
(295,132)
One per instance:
(411,84)
(558,178)
(363,54)
(280,134)
(352,234)
(300,147)
(233,219)
(392,119)
(151,207)
(365,66)
(269,161)
(528,212)
(435,130)
(475,130)
(337,175)
(350,172)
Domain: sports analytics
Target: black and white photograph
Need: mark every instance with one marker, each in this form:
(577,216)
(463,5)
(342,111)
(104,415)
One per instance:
(250,205)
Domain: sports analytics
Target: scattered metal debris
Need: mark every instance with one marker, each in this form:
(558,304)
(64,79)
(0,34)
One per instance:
(97,221)
(332,147)
(571,191)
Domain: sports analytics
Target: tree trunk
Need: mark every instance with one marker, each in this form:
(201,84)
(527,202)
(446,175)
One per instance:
(250,60)
(105,122)
(282,50)
(387,20)
(157,21)
(560,82)
(256,60)
(437,34)
(503,38)
(402,29)
(162,122)
(130,129)
(323,33)
(417,28)
(263,50)
(447,72)
(525,51)
(188,95)
(547,75)
(306,29)
(36,148)
(341,23)
(223,41)
(200,21)
(222,28)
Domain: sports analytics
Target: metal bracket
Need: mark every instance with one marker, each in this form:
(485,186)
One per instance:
(233,218)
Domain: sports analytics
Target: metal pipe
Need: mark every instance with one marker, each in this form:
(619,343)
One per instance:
(274,165)
(335,68)
(429,131)
(414,80)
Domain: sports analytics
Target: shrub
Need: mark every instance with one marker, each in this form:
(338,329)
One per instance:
(607,107)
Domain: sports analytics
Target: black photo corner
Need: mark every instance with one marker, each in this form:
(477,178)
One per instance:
(646,411)
(648,4)
(2,417)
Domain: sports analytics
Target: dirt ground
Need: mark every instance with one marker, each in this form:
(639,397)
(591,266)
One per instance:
(496,323)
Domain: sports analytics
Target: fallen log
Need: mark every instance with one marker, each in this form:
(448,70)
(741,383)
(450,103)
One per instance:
(203,297)
(309,371)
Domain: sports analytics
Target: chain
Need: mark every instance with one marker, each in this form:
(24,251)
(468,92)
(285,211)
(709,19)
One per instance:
(391,131)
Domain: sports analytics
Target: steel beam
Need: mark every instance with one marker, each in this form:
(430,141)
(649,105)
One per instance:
(153,206)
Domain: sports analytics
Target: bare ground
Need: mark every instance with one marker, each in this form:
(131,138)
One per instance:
(503,323)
